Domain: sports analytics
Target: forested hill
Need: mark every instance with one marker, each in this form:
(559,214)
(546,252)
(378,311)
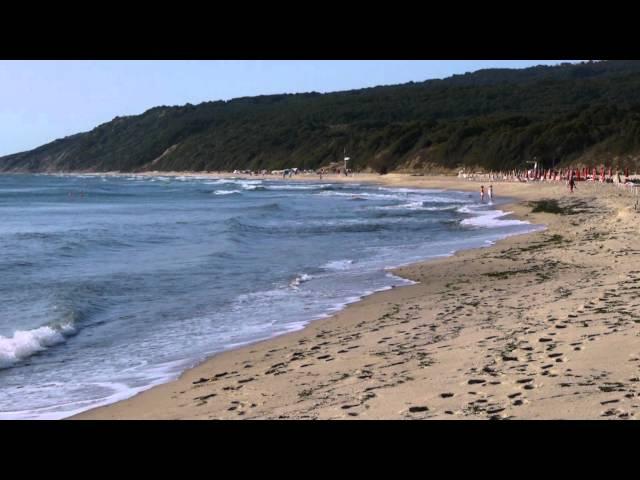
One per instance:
(585,114)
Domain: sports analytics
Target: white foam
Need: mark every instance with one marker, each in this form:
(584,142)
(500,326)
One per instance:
(338,265)
(298,187)
(415,198)
(333,193)
(488,218)
(225,192)
(295,283)
(415,206)
(25,343)
(246,184)
(421,191)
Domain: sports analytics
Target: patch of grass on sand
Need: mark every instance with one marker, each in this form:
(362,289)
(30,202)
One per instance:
(566,207)
(507,273)
(547,206)
(555,238)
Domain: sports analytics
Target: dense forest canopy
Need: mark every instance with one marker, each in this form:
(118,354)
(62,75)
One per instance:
(579,114)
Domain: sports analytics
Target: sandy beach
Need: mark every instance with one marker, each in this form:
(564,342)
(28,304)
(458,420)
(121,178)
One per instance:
(538,326)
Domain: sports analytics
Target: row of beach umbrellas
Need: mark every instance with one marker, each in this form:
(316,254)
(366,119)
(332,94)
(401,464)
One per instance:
(577,173)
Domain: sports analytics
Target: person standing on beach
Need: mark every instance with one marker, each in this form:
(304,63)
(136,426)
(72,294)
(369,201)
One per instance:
(572,184)
(490,192)
(482,193)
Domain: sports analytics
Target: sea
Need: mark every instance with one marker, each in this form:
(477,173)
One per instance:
(110,285)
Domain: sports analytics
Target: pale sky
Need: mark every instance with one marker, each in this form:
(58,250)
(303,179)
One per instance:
(41,101)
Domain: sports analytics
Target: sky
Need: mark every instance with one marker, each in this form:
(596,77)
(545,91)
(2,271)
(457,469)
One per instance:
(41,101)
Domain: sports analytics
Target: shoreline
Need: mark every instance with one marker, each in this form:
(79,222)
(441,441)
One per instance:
(260,367)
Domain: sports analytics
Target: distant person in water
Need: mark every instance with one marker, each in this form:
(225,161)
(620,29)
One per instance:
(490,192)
(482,193)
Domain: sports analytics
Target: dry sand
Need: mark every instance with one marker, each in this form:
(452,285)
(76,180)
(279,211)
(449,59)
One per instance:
(538,326)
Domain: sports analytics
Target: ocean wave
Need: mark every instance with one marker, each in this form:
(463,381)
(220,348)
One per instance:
(225,192)
(420,191)
(295,283)
(418,205)
(338,264)
(410,199)
(326,227)
(334,193)
(49,236)
(25,343)
(325,187)
(304,228)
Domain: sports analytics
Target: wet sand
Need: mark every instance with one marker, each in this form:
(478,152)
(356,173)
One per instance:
(537,326)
